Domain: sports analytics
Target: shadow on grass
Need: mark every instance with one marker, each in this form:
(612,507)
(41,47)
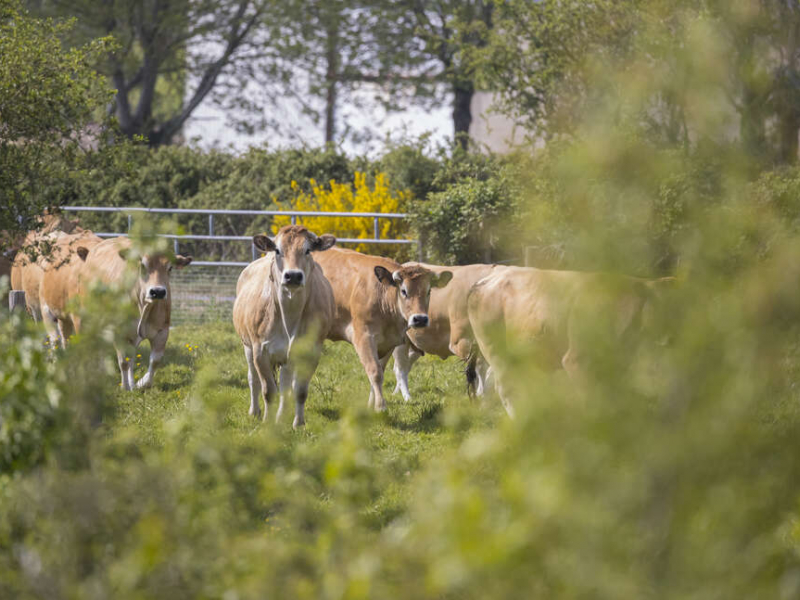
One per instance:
(426,418)
(331,413)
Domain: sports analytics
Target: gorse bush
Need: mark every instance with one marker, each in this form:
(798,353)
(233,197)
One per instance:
(343,197)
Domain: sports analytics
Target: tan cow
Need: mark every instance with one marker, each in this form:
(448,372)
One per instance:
(59,283)
(26,268)
(449,332)
(377,300)
(110,262)
(563,318)
(283,311)
(27,271)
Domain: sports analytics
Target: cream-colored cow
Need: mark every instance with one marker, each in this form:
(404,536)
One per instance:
(283,310)
(377,301)
(448,332)
(563,319)
(111,262)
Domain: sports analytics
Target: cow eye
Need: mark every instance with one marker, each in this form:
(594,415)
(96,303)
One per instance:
(403,292)
(308,250)
(277,252)
(169,269)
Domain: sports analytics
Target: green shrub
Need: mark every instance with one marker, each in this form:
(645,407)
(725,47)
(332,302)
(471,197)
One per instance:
(471,221)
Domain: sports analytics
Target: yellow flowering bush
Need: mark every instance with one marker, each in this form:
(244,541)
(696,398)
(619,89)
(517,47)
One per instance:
(344,197)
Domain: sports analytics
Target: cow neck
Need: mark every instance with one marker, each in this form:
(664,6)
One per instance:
(292,306)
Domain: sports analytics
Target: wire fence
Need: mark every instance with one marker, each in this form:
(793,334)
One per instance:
(201,294)
(206,290)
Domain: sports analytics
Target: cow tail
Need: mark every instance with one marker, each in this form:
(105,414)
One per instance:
(471,372)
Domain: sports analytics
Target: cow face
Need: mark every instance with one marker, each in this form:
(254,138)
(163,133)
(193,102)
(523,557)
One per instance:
(414,284)
(293,247)
(154,272)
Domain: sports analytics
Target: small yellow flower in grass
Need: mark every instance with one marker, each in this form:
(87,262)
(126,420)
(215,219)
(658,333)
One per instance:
(138,356)
(195,347)
(137,364)
(127,359)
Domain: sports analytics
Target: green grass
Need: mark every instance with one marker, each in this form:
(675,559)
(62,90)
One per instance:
(402,440)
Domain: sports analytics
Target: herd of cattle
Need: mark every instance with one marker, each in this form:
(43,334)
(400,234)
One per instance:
(304,290)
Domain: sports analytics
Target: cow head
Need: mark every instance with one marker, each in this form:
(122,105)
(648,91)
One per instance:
(414,284)
(154,271)
(293,247)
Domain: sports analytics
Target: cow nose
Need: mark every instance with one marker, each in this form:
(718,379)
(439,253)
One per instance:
(158,293)
(419,320)
(292,278)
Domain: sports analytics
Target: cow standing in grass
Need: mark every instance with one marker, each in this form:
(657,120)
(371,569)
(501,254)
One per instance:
(561,319)
(111,263)
(283,311)
(377,301)
(448,332)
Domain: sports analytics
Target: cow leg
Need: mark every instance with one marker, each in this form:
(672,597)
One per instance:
(253,382)
(485,378)
(64,331)
(51,327)
(300,388)
(368,353)
(286,389)
(404,358)
(157,346)
(267,378)
(125,368)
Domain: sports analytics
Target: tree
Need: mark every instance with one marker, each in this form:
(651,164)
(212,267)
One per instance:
(188,43)
(48,97)
(448,33)
(327,49)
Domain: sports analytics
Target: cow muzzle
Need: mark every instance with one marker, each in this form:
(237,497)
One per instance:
(293,278)
(418,321)
(157,293)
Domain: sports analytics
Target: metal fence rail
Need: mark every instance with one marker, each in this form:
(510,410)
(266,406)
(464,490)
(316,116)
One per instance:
(293,214)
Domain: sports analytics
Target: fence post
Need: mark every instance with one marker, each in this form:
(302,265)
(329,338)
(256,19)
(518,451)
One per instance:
(294,219)
(16,300)
(375,229)
(253,250)
(420,256)
(130,221)
(211,224)
(175,246)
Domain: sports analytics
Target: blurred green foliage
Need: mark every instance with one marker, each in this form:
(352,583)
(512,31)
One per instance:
(675,474)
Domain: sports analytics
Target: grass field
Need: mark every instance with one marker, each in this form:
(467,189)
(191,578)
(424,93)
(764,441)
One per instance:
(400,441)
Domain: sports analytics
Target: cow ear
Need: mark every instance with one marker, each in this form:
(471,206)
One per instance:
(323,242)
(442,279)
(82,252)
(124,253)
(263,243)
(383,275)
(182,261)
(397,278)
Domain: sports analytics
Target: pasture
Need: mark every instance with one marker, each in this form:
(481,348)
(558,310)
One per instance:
(408,433)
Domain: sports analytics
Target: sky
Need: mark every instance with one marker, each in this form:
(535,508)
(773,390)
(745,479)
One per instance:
(209,128)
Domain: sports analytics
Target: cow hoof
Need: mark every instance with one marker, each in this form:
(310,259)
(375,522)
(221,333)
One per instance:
(379,408)
(298,424)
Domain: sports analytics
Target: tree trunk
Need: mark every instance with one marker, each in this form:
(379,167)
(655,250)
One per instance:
(462,111)
(331,81)
(789,128)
